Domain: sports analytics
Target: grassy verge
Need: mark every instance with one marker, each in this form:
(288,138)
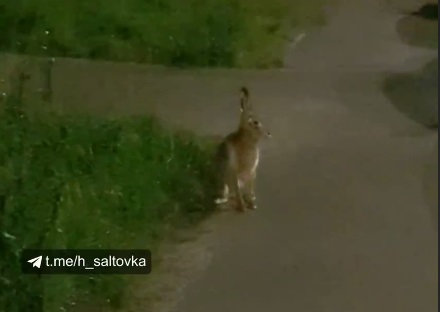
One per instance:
(239,33)
(87,182)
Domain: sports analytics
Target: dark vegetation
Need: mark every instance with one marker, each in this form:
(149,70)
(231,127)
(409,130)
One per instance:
(428,11)
(240,33)
(88,182)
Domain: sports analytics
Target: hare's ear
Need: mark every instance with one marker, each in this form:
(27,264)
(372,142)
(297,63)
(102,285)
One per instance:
(244,99)
(244,106)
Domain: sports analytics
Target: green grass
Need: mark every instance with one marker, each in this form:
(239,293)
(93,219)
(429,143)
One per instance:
(226,33)
(89,182)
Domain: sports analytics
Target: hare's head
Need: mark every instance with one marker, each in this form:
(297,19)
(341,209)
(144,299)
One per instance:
(256,128)
(248,120)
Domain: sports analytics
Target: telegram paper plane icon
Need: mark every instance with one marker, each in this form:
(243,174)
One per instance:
(36,262)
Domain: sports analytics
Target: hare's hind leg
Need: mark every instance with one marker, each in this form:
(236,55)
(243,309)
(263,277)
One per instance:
(222,189)
(223,199)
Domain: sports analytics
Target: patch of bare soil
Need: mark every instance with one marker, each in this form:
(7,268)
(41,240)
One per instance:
(179,262)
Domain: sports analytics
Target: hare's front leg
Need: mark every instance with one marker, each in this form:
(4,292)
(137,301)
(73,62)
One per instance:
(251,200)
(237,187)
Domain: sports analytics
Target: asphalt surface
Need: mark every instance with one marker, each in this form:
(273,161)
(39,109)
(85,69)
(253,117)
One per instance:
(347,187)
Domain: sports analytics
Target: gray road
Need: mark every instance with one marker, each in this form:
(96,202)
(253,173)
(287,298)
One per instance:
(347,218)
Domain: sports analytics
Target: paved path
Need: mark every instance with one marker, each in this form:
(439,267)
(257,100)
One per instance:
(347,186)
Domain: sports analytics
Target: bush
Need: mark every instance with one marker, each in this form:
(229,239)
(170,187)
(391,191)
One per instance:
(87,182)
(244,33)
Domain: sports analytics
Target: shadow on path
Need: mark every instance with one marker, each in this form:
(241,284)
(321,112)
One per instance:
(416,94)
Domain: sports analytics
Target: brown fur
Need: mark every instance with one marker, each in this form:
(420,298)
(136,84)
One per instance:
(238,156)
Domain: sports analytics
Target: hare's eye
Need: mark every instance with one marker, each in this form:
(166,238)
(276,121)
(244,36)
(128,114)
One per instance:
(256,123)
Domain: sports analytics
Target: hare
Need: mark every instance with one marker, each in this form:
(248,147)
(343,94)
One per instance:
(238,157)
